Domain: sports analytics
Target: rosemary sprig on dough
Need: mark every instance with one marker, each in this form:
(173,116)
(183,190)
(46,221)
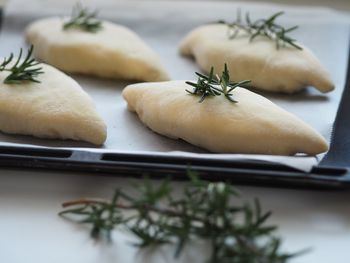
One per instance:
(21,70)
(211,85)
(235,231)
(83,19)
(263,27)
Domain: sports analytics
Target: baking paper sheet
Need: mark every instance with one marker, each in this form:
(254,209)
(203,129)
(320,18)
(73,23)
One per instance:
(162,25)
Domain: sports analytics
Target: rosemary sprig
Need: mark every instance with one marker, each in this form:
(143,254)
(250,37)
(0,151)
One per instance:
(263,27)
(205,210)
(83,19)
(22,70)
(215,86)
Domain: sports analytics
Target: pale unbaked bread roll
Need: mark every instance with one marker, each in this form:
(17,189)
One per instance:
(55,108)
(112,52)
(286,69)
(253,125)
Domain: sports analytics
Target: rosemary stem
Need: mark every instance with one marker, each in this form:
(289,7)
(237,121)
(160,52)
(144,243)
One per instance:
(84,201)
(205,211)
(172,213)
(87,201)
(22,70)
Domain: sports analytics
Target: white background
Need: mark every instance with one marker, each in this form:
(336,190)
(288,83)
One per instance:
(31,231)
(338,4)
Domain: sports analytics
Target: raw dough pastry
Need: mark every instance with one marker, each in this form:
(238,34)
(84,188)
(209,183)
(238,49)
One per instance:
(55,108)
(284,70)
(113,52)
(253,125)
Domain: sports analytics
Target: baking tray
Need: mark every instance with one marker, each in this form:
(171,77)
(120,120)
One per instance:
(331,173)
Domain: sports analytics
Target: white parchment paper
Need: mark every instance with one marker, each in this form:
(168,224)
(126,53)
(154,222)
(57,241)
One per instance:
(162,25)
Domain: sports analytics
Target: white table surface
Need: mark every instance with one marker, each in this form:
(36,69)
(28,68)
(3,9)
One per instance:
(31,231)
(343,5)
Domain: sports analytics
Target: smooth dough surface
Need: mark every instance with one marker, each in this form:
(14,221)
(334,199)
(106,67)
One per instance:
(112,52)
(56,108)
(253,125)
(284,70)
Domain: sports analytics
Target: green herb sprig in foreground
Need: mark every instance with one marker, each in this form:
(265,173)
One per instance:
(83,19)
(204,211)
(213,85)
(263,27)
(21,70)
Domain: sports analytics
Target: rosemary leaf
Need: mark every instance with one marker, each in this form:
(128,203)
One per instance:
(21,70)
(211,86)
(83,19)
(204,211)
(262,27)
